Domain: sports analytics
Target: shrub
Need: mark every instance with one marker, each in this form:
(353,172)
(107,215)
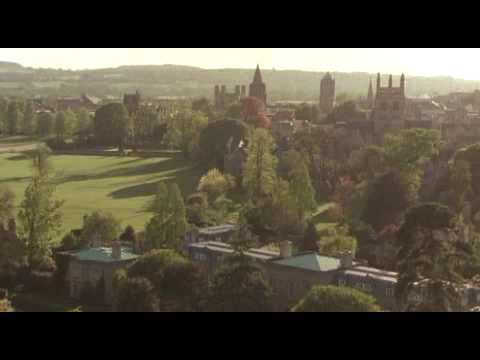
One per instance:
(336,299)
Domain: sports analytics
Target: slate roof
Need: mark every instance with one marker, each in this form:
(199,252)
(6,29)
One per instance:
(104,255)
(311,261)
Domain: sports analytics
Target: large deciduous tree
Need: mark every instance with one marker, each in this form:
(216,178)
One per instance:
(170,282)
(99,227)
(219,138)
(239,285)
(184,129)
(45,122)
(136,295)
(409,149)
(388,197)
(429,249)
(112,125)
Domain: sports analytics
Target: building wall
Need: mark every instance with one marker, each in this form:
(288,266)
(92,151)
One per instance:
(81,274)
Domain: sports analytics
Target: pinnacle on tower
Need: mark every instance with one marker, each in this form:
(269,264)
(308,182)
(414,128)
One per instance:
(379,81)
(257,79)
(390,81)
(370,94)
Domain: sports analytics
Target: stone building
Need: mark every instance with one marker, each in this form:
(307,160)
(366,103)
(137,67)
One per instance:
(390,107)
(293,275)
(258,88)
(132,102)
(223,99)
(222,233)
(75,103)
(95,267)
(370,96)
(327,94)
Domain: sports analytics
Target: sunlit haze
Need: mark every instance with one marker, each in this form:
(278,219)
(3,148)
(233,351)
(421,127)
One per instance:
(458,63)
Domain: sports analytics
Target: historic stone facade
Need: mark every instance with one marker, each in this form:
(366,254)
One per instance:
(327,94)
(132,102)
(293,275)
(258,88)
(390,107)
(95,268)
(224,99)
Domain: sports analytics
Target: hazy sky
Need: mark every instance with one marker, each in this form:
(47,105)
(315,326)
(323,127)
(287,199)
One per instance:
(460,63)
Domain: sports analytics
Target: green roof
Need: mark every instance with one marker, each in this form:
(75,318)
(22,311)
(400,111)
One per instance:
(104,254)
(311,261)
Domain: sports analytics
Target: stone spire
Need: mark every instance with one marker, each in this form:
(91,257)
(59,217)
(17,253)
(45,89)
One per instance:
(402,84)
(370,95)
(379,82)
(390,81)
(257,79)
(258,88)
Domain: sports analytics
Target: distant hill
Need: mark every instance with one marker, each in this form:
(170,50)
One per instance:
(10,66)
(176,80)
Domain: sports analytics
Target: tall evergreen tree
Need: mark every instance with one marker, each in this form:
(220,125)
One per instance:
(28,119)
(60,125)
(169,223)
(13,118)
(39,216)
(260,168)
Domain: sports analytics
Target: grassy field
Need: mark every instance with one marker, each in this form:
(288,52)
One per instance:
(120,185)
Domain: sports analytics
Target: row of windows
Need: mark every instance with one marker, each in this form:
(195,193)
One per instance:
(389,291)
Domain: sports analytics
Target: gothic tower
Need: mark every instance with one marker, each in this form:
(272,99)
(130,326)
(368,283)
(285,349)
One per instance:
(370,98)
(327,94)
(258,88)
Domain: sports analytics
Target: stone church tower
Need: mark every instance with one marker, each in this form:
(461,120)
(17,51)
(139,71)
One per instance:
(258,88)
(390,106)
(327,94)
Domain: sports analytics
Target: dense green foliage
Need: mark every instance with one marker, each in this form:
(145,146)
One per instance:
(40,217)
(169,223)
(336,299)
(218,138)
(239,286)
(172,283)
(260,167)
(112,124)
(99,228)
(429,248)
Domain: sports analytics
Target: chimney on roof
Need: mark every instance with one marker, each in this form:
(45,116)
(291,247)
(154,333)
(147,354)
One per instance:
(285,249)
(116,250)
(346,260)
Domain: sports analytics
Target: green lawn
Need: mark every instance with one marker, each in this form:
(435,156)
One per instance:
(120,185)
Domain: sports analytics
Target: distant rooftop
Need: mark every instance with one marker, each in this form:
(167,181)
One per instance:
(227,249)
(103,254)
(216,229)
(311,261)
